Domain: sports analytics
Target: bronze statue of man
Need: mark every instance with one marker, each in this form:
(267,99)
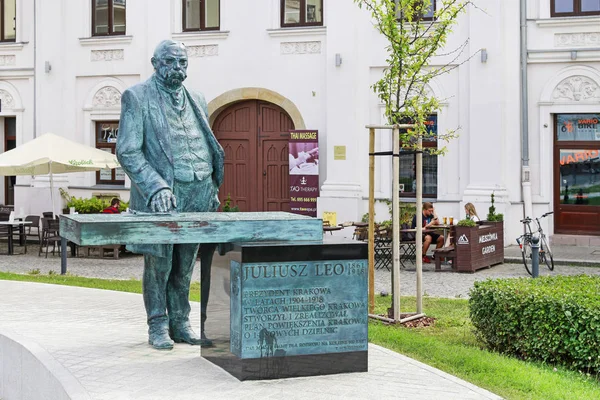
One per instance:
(175,164)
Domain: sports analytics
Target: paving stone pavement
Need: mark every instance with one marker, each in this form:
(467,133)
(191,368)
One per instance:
(100,336)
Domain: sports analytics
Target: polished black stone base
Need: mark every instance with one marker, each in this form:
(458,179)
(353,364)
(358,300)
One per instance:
(349,288)
(287,366)
(331,248)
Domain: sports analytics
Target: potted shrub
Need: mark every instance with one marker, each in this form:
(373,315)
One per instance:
(492,217)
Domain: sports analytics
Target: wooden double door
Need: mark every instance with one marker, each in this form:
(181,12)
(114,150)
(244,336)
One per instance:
(255,136)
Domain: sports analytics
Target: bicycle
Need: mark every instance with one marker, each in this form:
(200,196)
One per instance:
(525,240)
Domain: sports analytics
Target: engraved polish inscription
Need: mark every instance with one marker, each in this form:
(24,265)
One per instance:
(294,308)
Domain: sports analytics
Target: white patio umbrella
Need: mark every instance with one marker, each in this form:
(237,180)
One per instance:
(52,154)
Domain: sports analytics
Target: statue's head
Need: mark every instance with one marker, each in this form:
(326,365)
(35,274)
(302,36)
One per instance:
(170,62)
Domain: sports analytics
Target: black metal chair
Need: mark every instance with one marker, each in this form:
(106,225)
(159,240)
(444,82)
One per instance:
(33,229)
(50,234)
(408,246)
(383,248)
(48,214)
(4,230)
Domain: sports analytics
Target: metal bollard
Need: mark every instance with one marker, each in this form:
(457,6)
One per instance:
(535,256)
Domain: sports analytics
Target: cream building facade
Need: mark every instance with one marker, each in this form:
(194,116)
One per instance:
(309,64)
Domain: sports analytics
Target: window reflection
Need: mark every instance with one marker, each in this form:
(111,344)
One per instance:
(109,17)
(107,133)
(408,160)
(313,11)
(119,16)
(578,127)
(561,6)
(590,5)
(579,176)
(201,15)
(301,12)
(212,13)
(292,12)
(8,32)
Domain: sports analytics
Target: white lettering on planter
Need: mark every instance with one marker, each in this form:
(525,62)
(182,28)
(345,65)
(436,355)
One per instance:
(488,249)
(488,238)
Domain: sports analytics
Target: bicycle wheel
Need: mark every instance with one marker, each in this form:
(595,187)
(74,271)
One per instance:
(526,253)
(546,254)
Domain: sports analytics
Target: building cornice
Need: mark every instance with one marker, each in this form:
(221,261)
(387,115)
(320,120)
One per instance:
(110,40)
(570,22)
(295,32)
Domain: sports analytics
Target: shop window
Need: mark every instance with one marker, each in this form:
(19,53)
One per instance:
(301,13)
(108,17)
(574,8)
(8,28)
(106,140)
(577,147)
(201,15)
(408,162)
(427,8)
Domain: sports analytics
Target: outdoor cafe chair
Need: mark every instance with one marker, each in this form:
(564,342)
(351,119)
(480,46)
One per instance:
(33,229)
(408,245)
(4,231)
(50,234)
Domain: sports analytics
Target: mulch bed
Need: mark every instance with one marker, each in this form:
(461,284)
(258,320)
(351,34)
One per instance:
(422,322)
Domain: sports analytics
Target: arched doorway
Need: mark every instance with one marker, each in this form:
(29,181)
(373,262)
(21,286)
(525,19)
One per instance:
(254,135)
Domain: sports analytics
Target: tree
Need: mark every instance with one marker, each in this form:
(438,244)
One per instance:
(412,42)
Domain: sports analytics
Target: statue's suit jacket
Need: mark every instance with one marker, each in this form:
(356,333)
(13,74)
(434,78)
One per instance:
(144,148)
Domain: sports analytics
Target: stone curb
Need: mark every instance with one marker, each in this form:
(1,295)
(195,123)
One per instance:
(50,372)
(563,262)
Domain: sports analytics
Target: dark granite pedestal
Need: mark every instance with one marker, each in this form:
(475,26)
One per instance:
(296,310)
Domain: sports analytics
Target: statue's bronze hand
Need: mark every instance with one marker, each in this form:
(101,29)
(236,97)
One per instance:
(163,201)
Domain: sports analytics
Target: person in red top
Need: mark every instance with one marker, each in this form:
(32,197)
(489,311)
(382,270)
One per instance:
(114,207)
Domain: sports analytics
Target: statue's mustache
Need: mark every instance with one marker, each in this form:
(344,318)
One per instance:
(179,75)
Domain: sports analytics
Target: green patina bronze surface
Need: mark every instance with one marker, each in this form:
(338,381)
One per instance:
(166,147)
(217,227)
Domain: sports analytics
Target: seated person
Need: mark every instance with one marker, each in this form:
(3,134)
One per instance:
(429,220)
(114,207)
(471,213)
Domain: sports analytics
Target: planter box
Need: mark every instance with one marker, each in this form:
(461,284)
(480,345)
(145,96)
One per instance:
(480,246)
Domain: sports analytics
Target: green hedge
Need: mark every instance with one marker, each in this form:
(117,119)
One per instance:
(93,205)
(554,319)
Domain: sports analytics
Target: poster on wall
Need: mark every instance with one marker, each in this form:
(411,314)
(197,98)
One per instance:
(304,172)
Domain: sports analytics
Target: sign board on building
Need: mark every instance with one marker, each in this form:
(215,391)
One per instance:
(304,172)
(339,152)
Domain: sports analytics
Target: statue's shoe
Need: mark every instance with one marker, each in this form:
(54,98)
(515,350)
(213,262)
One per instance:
(206,342)
(185,334)
(160,340)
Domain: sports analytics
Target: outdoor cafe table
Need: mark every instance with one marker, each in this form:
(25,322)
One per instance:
(172,228)
(11,225)
(332,228)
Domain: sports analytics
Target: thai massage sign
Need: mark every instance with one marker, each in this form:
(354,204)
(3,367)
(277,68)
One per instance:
(304,172)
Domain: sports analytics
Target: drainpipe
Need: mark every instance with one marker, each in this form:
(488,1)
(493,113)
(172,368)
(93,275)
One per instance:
(34,68)
(525,169)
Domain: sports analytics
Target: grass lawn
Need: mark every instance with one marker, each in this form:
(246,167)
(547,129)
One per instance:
(448,345)
(130,286)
